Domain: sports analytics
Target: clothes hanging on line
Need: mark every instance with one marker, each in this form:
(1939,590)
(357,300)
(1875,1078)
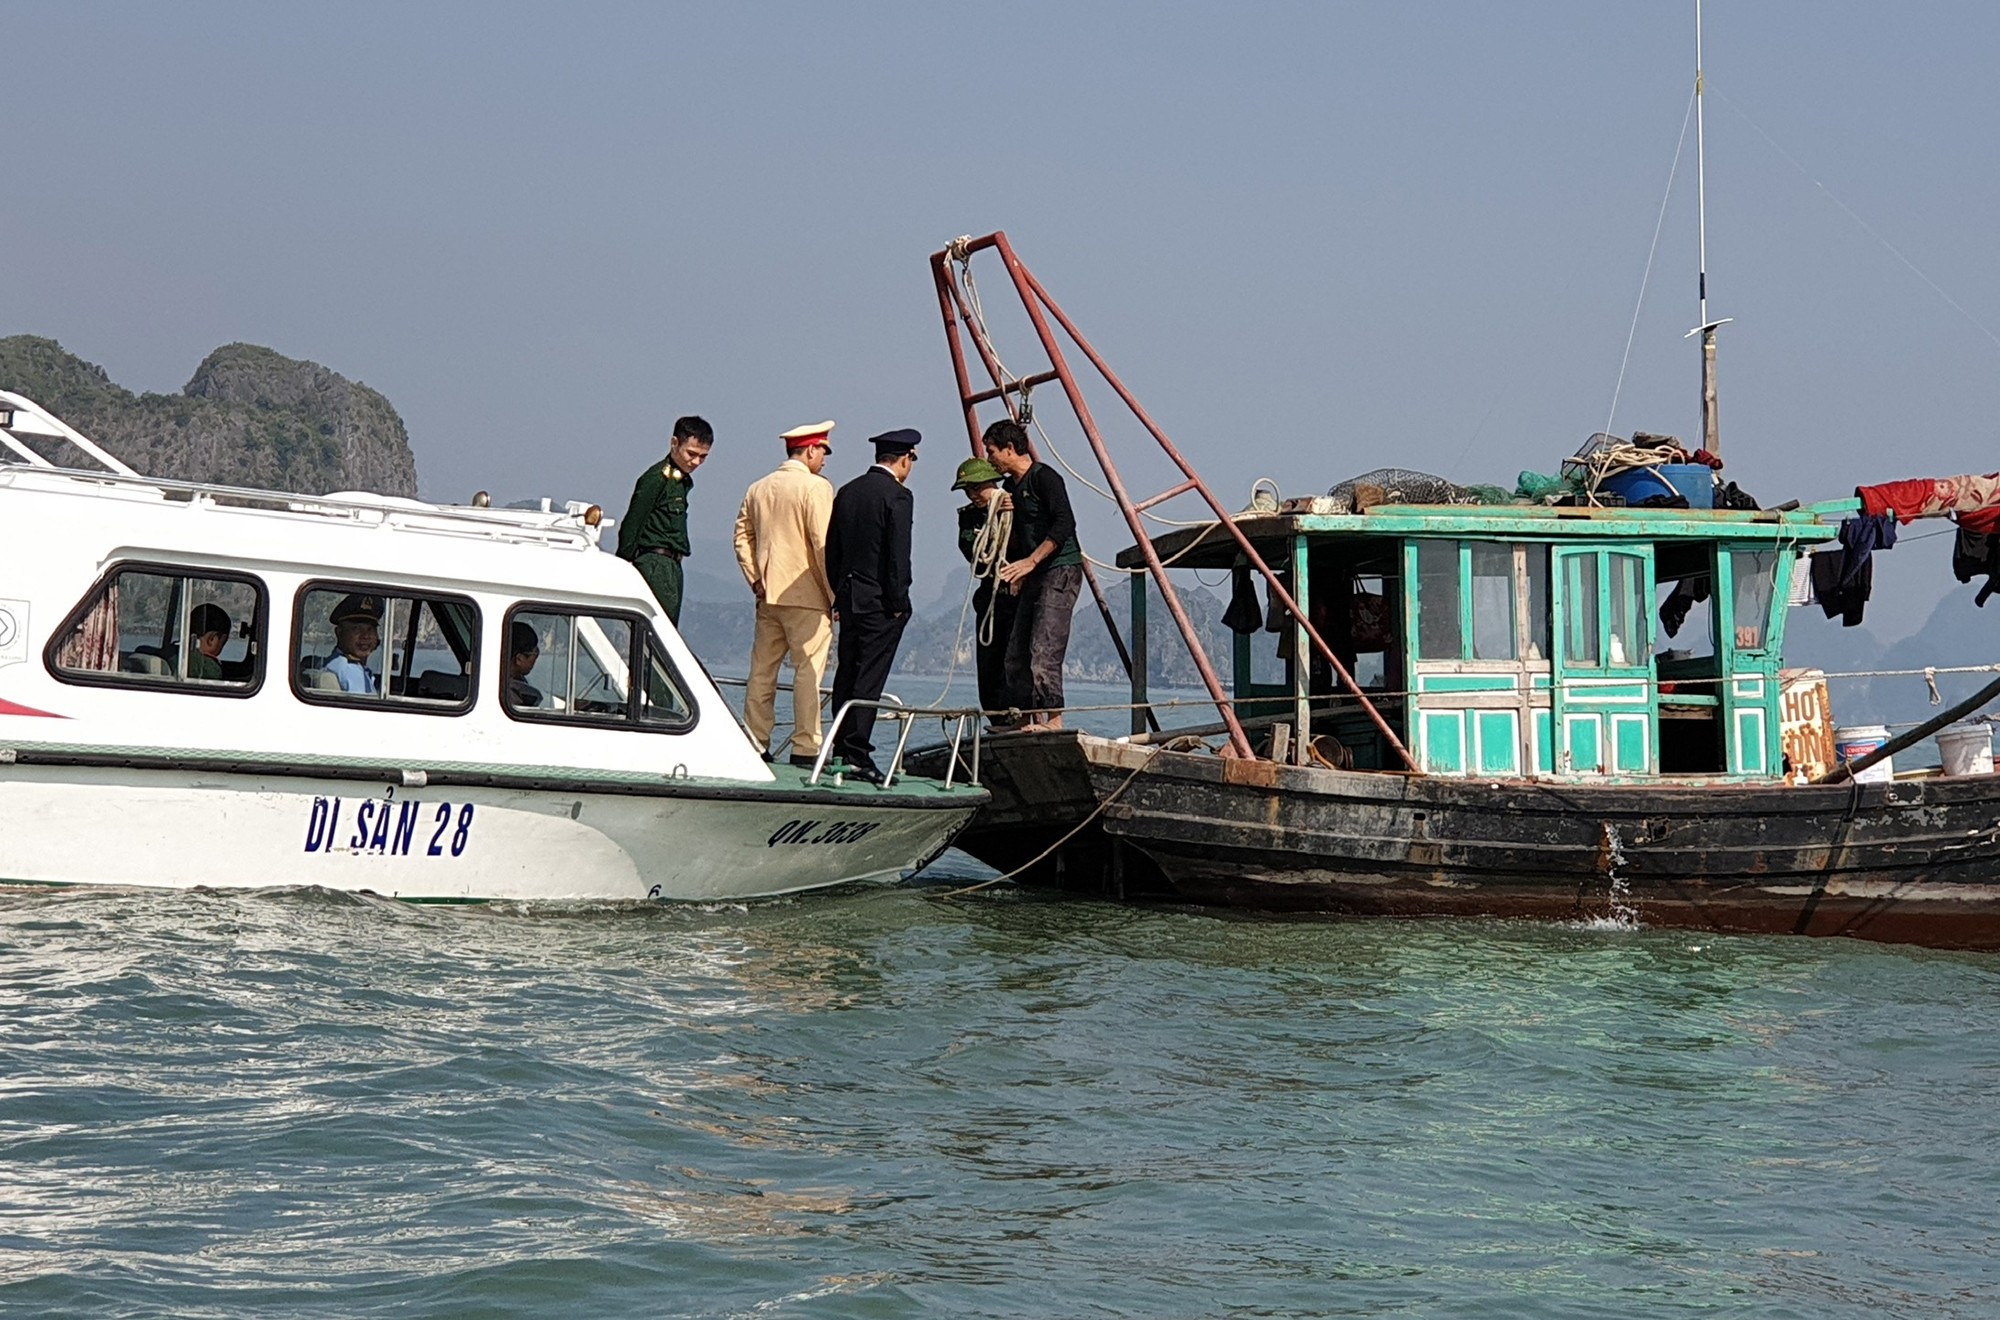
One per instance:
(1923,497)
(1845,603)
(1844,578)
(1977,554)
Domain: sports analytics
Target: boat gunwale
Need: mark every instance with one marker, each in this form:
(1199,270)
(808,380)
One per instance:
(912,792)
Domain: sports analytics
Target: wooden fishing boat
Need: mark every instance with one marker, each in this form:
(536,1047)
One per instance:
(1470,709)
(1563,766)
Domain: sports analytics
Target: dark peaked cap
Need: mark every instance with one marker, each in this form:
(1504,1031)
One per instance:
(357,605)
(894,444)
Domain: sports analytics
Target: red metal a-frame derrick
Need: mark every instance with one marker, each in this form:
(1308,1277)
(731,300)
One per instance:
(959,305)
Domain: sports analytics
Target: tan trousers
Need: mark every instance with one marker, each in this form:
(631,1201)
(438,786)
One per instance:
(805,635)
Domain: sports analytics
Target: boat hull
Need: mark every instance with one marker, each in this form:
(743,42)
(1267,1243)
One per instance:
(1914,861)
(454,841)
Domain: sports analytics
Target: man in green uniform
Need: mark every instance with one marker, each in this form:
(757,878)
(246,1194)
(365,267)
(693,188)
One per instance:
(654,535)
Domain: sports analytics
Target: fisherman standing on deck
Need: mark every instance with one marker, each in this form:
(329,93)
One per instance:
(654,535)
(1045,570)
(868,561)
(781,548)
(982,536)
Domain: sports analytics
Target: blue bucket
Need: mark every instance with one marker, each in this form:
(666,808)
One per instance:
(1692,480)
(1637,485)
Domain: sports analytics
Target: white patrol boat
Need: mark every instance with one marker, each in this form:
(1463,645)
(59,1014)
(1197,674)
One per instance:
(205,686)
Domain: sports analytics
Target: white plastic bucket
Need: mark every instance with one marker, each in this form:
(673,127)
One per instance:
(1856,741)
(1966,749)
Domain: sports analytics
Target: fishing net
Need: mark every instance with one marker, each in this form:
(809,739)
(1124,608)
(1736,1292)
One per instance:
(1403,486)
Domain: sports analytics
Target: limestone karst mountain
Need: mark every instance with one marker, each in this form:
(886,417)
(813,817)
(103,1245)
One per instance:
(248,417)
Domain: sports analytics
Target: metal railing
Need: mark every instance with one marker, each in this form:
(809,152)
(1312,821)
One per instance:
(907,716)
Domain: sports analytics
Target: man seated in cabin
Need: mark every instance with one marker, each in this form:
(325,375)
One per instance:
(357,632)
(523,650)
(209,626)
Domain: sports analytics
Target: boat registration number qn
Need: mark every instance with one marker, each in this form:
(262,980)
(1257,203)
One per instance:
(379,828)
(821,831)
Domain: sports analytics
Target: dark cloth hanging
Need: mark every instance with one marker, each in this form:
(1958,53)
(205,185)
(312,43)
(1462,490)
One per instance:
(1687,593)
(1846,602)
(1245,614)
(1861,538)
(1843,578)
(1977,554)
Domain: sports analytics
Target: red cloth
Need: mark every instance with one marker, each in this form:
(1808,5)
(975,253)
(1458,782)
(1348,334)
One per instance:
(1905,499)
(1983,521)
(1925,497)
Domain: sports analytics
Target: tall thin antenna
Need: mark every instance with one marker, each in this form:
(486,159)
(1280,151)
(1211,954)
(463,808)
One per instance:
(1700,167)
(1711,426)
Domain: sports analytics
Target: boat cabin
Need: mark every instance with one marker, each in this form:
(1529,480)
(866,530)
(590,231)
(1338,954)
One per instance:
(1513,641)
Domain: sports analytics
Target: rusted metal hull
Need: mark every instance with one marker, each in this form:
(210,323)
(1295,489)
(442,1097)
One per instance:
(1917,861)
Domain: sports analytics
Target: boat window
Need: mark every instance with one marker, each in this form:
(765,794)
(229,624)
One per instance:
(1539,619)
(156,626)
(1371,630)
(1629,641)
(580,668)
(1580,610)
(1492,601)
(1439,630)
(384,649)
(1755,573)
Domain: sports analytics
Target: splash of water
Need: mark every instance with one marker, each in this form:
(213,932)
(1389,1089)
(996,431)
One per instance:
(1624,913)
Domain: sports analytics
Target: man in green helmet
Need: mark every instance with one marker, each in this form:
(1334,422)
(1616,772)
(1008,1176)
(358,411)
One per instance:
(654,535)
(982,539)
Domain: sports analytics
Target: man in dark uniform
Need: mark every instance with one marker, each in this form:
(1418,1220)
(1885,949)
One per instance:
(654,535)
(868,562)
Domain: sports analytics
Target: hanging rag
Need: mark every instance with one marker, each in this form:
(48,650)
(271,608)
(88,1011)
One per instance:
(1845,603)
(1976,554)
(1844,587)
(1245,614)
(1923,497)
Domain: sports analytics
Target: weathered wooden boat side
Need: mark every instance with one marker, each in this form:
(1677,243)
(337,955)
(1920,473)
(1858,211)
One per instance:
(1913,861)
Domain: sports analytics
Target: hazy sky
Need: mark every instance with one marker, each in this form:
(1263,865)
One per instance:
(1315,238)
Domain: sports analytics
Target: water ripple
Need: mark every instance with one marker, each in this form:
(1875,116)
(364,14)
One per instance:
(898,1102)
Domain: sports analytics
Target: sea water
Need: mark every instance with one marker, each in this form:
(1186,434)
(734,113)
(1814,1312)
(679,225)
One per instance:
(915,1101)
(920,1101)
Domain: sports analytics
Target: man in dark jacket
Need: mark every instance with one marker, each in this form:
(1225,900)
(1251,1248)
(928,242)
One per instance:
(1044,568)
(868,562)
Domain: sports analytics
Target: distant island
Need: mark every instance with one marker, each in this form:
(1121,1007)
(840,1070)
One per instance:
(248,417)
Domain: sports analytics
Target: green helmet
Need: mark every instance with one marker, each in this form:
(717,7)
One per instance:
(975,472)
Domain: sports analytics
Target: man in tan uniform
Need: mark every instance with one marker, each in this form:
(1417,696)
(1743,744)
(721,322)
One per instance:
(781,547)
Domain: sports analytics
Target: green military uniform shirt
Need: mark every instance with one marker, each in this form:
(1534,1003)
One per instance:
(658,516)
(658,520)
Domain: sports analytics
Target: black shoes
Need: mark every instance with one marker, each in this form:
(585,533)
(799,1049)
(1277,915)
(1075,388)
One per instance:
(866,774)
(804,762)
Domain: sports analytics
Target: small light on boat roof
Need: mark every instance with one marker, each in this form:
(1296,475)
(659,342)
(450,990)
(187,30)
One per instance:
(592,516)
(480,499)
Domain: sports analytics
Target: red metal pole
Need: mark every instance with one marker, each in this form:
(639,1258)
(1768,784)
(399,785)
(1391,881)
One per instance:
(1194,480)
(1237,738)
(947,291)
(953,302)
